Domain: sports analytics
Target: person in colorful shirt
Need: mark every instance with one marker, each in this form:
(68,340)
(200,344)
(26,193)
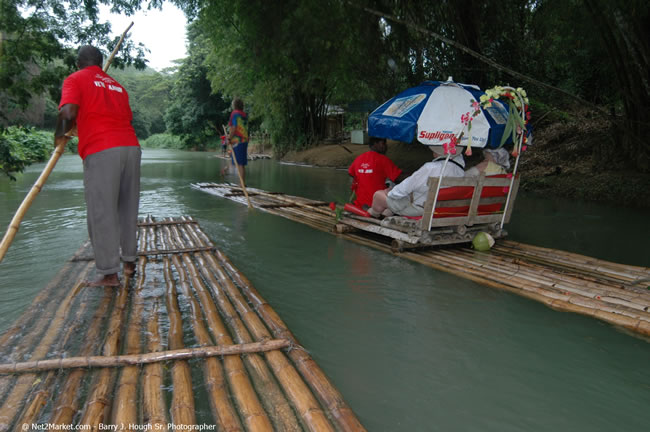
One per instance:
(370,171)
(238,135)
(99,108)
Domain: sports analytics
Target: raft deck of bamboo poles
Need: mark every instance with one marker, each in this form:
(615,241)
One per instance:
(187,343)
(615,293)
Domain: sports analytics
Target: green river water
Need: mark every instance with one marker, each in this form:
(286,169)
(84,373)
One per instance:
(410,348)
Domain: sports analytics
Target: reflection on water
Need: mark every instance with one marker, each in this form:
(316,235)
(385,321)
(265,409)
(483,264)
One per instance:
(410,348)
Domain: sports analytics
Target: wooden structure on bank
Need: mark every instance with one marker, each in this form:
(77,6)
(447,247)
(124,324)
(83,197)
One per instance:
(615,293)
(187,341)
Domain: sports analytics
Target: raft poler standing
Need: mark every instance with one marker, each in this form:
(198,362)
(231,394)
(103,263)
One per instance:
(99,107)
(238,136)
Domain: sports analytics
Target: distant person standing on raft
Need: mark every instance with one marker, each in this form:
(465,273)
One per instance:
(370,171)
(238,135)
(99,107)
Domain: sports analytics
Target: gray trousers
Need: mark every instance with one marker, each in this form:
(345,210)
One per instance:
(112,191)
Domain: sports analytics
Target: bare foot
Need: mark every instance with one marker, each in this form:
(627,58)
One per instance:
(110,280)
(129,268)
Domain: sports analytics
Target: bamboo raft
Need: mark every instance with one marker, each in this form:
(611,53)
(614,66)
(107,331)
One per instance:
(615,293)
(188,343)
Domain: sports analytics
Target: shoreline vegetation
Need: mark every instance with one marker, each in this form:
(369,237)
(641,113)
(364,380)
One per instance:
(561,162)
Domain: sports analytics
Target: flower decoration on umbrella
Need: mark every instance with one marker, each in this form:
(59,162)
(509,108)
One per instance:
(450,147)
(466,121)
(518,116)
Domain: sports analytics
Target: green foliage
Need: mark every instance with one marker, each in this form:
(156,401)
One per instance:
(162,141)
(36,36)
(353,121)
(149,97)
(290,60)
(20,147)
(195,113)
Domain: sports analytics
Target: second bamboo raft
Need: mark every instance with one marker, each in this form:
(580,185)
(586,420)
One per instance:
(187,344)
(615,293)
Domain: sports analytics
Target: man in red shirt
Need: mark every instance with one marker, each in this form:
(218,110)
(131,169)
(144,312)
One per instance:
(99,107)
(370,171)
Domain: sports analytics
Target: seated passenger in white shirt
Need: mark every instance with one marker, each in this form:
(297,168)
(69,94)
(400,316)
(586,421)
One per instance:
(408,197)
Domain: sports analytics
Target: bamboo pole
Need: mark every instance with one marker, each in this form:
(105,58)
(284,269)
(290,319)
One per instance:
(42,391)
(243,392)
(112,361)
(24,383)
(307,407)
(98,403)
(125,400)
(275,403)
(41,309)
(224,412)
(280,410)
(14,225)
(154,411)
(617,273)
(582,261)
(66,403)
(551,280)
(272,397)
(279,197)
(573,304)
(599,270)
(182,406)
(307,218)
(151,223)
(552,299)
(585,284)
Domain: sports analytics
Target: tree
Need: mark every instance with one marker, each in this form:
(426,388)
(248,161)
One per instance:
(37,37)
(624,33)
(149,97)
(289,60)
(195,113)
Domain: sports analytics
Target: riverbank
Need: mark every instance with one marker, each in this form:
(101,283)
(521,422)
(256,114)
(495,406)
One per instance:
(560,162)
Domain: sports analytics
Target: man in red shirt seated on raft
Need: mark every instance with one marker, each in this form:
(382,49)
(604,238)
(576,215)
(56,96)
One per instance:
(370,171)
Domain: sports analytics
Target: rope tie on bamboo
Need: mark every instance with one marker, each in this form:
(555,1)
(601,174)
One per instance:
(293,345)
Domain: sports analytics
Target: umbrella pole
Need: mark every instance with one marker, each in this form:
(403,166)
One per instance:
(60,148)
(514,170)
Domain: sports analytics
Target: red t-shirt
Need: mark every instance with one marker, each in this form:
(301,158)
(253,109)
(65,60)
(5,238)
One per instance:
(104,117)
(370,171)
